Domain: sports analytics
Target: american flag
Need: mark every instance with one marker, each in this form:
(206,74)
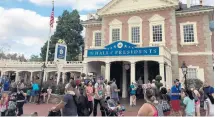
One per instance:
(52,16)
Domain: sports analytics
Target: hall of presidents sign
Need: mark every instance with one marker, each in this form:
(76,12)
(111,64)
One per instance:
(123,48)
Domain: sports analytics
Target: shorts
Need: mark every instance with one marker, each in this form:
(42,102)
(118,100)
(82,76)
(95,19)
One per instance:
(175,105)
(34,93)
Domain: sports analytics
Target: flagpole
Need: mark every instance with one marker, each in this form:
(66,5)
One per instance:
(48,43)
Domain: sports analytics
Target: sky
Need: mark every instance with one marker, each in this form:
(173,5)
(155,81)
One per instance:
(25,23)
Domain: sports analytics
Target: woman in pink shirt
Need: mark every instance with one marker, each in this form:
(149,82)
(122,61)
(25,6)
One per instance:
(89,91)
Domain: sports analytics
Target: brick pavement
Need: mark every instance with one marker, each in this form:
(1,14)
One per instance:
(43,109)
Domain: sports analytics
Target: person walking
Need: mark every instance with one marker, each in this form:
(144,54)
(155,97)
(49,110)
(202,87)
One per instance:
(89,92)
(49,92)
(150,108)
(209,105)
(132,95)
(69,102)
(197,100)
(175,98)
(108,90)
(189,101)
(99,97)
(165,101)
(114,91)
(21,96)
(4,104)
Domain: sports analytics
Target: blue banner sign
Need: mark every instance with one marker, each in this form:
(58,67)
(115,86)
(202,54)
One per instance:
(123,48)
(61,52)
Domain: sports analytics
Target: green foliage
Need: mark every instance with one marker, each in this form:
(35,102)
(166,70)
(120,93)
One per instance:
(35,58)
(194,83)
(83,75)
(69,29)
(158,84)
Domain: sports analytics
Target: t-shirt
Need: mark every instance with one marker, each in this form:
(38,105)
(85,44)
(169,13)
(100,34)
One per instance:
(209,90)
(28,92)
(100,89)
(132,91)
(113,87)
(89,90)
(190,106)
(175,89)
(35,87)
(6,86)
(70,108)
(108,91)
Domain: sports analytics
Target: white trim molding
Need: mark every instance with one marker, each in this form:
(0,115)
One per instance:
(115,24)
(135,21)
(153,21)
(182,33)
(192,53)
(93,42)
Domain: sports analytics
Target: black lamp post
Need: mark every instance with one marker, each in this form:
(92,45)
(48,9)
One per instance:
(41,82)
(184,71)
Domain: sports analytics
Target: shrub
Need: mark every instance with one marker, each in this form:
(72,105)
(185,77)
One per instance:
(158,84)
(194,82)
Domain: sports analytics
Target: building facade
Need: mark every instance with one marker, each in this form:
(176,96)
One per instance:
(139,39)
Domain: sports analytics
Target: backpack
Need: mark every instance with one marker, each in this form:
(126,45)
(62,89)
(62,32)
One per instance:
(165,104)
(159,109)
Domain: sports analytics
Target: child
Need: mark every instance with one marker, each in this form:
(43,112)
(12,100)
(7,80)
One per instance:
(28,94)
(120,109)
(49,92)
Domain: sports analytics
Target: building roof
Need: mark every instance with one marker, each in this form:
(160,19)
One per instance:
(183,8)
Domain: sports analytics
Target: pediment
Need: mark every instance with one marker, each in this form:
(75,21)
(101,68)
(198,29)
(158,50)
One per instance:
(156,17)
(120,45)
(123,6)
(115,22)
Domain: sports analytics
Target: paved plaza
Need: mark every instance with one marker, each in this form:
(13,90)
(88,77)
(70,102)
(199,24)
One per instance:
(43,109)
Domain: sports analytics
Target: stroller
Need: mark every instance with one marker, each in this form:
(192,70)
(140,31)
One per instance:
(111,108)
(11,111)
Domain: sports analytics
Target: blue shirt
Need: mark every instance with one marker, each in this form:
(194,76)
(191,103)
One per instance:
(132,91)
(175,89)
(209,90)
(35,87)
(6,86)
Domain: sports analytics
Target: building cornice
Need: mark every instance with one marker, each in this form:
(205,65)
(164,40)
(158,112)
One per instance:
(192,13)
(92,23)
(139,11)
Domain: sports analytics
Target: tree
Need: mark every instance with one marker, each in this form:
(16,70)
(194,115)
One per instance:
(69,29)
(35,58)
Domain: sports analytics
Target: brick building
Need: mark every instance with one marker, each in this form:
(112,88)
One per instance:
(139,39)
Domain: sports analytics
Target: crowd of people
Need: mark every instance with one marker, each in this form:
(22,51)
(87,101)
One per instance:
(178,101)
(82,98)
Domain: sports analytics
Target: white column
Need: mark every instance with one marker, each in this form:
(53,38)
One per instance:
(167,75)
(146,75)
(17,76)
(63,77)
(161,67)
(124,83)
(31,77)
(133,73)
(47,76)
(107,71)
(2,73)
(85,69)
(58,77)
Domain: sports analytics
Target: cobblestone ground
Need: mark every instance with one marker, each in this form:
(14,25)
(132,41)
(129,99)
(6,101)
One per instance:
(43,109)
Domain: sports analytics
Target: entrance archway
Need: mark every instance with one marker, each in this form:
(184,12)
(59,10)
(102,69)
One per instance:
(120,70)
(146,71)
